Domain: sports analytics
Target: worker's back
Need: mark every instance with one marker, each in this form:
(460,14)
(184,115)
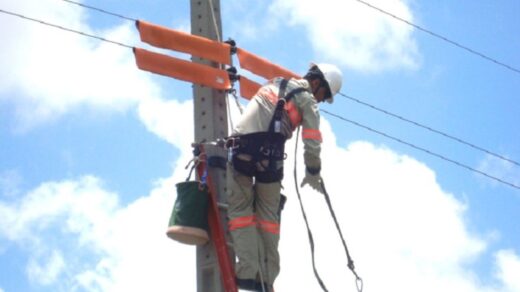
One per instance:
(259,112)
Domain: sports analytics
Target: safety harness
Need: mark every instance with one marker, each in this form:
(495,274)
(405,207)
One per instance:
(263,146)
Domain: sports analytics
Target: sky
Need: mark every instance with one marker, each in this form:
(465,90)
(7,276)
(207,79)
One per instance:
(91,147)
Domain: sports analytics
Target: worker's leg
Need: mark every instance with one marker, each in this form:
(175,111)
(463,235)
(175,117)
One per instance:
(242,223)
(267,205)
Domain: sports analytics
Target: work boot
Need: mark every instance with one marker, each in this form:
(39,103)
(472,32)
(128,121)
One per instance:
(248,284)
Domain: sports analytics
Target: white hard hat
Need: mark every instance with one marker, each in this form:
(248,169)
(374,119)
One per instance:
(333,76)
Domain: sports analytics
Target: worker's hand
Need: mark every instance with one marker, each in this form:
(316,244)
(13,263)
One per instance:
(314,181)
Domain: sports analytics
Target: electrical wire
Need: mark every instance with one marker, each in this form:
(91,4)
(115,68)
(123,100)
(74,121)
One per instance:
(65,28)
(436,35)
(101,10)
(423,150)
(327,112)
(442,133)
(431,129)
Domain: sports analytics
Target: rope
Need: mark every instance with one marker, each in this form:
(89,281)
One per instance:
(359,281)
(228,105)
(239,106)
(213,17)
(309,232)
(260,268)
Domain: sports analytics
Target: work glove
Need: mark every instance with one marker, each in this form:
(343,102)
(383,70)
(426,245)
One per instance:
(313,180)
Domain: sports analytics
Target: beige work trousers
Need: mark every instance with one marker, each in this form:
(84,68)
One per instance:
(255,226)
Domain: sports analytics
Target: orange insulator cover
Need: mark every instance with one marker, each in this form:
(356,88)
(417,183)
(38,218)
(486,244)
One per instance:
(167,38)
(182,69)
(262,67)
(248,88)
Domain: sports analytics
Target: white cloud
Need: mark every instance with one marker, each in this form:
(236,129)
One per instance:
(104,246)
(48,273)
(352,34)
(508,263)
(46,72)
(404,232)
(171,120)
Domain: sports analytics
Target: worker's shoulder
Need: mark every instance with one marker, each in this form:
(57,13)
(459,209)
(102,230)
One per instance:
(301,96)
(299,82)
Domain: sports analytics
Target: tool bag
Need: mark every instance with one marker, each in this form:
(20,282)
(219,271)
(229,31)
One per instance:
(189,219)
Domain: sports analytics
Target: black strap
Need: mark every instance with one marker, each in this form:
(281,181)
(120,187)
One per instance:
(217,161)
(283,86)
(282,100)
(293,92)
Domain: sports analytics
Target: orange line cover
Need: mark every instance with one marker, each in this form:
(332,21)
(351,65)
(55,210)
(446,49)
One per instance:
(261,66)
(248,88)
(181,69)
(166,38)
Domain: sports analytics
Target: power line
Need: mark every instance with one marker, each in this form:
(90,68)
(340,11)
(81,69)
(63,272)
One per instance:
(329,113)
(459,140)
(431,129)
(468,49)
(101,10)
(442,38)
(446,135)
(423,150)
(65,28)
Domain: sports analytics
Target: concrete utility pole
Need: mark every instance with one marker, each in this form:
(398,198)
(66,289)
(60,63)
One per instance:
(210,116)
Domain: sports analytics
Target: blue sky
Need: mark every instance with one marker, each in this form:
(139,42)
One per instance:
(91,147)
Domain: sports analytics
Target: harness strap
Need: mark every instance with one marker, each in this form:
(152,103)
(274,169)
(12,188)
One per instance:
(283,99)
(260,146)
(283,86)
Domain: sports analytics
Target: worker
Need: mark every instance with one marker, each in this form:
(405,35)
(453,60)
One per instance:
(255,171)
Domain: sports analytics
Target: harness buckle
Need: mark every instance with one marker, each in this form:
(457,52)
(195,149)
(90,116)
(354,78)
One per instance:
(267,151)
(232,143)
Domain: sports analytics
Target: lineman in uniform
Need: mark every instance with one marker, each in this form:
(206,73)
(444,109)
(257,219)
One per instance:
(256,169)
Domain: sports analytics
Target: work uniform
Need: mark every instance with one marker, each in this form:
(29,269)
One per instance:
(253,197)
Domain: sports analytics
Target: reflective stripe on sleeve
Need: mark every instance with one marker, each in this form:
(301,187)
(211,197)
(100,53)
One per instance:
(312,134)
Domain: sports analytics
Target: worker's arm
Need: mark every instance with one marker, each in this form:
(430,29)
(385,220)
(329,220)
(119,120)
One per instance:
(311,134)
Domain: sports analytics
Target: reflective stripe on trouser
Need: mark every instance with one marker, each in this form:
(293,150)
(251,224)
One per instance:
(253,242)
